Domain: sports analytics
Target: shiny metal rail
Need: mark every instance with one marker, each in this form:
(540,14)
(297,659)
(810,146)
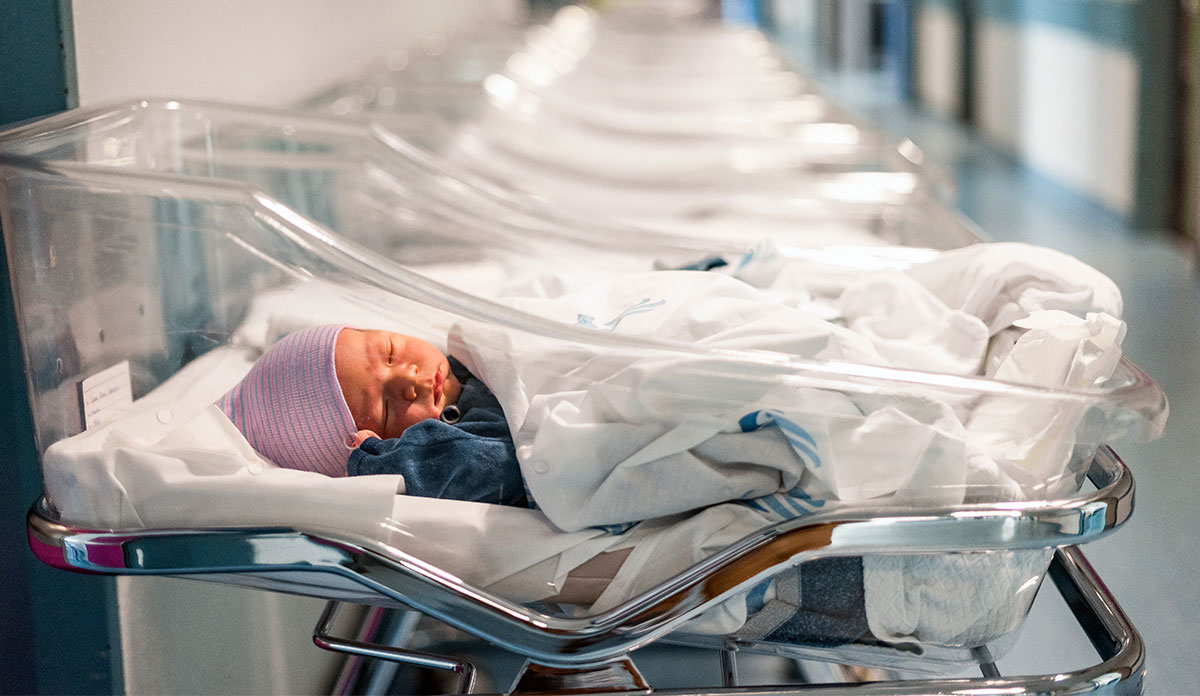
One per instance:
(1120,672)
(330,563)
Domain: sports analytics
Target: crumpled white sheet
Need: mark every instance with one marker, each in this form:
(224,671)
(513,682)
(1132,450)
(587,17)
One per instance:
(599,430)
(1002,283)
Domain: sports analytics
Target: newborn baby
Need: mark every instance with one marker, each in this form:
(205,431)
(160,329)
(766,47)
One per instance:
(343,401)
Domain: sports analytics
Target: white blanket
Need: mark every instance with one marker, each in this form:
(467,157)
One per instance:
(601,431)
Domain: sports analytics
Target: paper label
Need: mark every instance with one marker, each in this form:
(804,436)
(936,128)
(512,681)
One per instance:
(105,395)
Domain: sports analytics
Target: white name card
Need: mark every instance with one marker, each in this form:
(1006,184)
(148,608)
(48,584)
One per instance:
(105,395)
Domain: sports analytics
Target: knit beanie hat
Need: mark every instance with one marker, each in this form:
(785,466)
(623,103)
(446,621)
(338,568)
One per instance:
(290,406)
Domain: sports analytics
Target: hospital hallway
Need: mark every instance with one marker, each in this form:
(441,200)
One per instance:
(200,165)
(1150,564)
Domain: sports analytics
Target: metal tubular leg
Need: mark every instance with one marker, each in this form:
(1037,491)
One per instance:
(729,668)
(322,639)
(986,665)
(397,632)
(355,664)
(1112,635)
(1120,648)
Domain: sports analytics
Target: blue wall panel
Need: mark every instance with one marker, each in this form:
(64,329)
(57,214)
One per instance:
(58,628)
(1110,22)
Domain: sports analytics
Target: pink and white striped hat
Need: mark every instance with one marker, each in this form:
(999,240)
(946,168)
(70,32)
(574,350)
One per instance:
(290,406)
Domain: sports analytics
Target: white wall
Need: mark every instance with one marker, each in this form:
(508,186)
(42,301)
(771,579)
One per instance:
(937,57)
(185,637)
(265,52)
(1063,103)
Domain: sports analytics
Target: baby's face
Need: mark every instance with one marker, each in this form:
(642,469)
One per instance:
(392,381)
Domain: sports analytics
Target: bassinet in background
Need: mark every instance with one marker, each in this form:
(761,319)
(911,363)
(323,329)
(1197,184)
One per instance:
(135,236)
(657,123)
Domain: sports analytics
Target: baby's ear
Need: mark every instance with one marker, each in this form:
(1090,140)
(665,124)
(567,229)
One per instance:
(362,435)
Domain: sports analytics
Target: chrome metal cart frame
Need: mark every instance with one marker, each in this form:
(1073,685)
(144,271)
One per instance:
(591,654)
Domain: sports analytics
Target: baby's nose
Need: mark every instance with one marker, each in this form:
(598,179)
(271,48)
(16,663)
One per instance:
(404,383)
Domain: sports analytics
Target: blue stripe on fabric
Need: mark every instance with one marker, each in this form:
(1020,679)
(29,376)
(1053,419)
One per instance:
(754,503)
(801,494)
(806,451)
(615,529)
(792,429)
(775,506)
(749,422)
(798,510)
(783,506)
(800,439)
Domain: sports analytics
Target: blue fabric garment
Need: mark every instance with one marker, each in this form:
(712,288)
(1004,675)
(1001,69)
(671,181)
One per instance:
(474,459)
(832,609)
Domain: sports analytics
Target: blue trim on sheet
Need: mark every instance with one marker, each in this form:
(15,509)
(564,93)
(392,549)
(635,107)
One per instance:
(773,503)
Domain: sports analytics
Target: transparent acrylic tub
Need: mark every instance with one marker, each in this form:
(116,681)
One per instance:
(389,185)
(147,233)
(628,101)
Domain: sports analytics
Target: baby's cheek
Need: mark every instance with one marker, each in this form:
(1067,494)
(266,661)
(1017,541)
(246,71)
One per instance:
(417,415)
(364,421)
(453,389)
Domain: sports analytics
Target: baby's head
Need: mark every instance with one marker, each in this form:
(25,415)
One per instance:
(318,393)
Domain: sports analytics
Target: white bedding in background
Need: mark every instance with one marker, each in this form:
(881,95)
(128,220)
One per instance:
(601,432)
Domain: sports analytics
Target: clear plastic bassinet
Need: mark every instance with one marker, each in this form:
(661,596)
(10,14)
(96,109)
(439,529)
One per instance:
(590,111)
(136,239)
